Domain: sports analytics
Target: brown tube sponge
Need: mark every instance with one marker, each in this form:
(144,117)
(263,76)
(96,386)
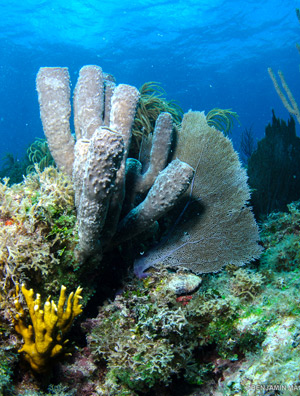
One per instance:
(54,98)
(123,108)
(109,88)
(88,101)
(169,185)
(161,143)
(81,153)
(104,156)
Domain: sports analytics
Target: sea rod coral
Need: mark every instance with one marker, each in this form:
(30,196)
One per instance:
(285,93)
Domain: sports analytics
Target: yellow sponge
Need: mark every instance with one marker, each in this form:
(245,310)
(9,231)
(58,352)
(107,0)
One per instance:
(43,340)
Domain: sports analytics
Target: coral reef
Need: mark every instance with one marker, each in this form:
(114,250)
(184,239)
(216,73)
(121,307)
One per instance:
(275,366)
(185,191)
(234,335)
(147,336)
(281,238)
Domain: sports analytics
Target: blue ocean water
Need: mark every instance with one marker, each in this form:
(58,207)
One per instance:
(205,53)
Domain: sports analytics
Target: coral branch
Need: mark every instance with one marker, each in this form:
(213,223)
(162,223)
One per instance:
(289,102)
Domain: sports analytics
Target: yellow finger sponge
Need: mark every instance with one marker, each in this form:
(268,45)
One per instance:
(43,340)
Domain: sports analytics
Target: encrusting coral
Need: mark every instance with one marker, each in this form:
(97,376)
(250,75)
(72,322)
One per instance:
(43,340)
(148,334)
(38,232)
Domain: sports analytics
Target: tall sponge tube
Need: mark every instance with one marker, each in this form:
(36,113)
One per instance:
(53,87)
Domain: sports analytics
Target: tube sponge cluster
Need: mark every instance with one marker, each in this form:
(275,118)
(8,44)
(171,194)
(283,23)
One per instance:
(103,118)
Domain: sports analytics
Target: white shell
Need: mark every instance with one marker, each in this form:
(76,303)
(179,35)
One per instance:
(184,283)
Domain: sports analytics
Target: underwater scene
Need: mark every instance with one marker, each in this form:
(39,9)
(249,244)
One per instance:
(150,198)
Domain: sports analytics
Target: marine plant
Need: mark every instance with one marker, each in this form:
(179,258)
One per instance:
(222,119)
(39,154)
(151,104)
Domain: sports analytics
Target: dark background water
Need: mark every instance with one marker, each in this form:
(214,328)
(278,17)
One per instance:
(205,54)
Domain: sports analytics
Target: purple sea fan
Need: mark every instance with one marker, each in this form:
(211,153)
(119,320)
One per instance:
(217,227)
